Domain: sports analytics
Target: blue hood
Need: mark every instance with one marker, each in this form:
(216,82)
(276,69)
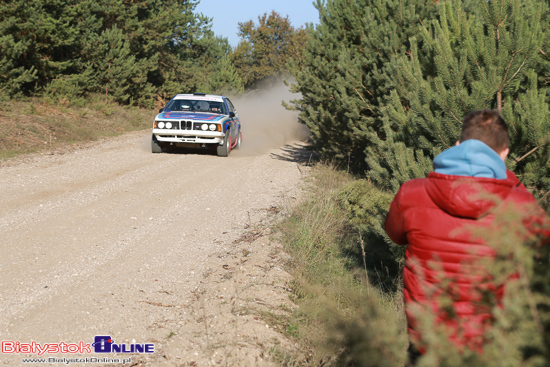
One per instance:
(471,158)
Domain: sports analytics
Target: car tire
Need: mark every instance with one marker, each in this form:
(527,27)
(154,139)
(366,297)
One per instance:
(239,140)
(223,150)
(155,146)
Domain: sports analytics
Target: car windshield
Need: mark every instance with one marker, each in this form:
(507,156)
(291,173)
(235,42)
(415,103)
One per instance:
(196,106)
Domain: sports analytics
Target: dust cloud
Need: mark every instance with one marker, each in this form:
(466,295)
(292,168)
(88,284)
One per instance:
(265,123)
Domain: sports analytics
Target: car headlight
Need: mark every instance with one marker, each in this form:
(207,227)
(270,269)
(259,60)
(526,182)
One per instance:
(204,127)
(168,125)
(161,125)
(212,127)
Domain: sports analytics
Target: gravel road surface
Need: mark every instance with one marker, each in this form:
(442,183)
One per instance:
(110,239)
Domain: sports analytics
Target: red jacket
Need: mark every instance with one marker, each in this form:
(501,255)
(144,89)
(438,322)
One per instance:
(429,216)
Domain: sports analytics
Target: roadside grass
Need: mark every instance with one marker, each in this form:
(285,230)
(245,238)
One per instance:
(342,318)
(39,124)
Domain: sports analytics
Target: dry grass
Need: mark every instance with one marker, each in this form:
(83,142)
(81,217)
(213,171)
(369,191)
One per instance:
(38,124)
(342,318)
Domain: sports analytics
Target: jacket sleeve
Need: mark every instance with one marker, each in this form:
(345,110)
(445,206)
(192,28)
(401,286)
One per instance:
(395,222)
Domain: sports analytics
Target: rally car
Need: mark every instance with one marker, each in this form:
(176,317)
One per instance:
(197,120)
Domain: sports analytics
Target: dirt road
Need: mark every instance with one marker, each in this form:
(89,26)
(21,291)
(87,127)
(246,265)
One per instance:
(112,240)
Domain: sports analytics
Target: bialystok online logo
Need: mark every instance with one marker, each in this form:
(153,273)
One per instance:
(102,344)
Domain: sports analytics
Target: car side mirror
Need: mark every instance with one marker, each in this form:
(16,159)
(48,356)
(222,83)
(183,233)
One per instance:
(162,109)
(231,114)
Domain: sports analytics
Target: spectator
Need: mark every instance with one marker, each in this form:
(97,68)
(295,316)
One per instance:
(429,216)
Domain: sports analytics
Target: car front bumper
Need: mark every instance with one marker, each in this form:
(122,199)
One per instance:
(188,136)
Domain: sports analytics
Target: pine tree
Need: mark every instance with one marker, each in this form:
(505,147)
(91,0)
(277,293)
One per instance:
(115,68)
(470,60)
(132,50)
(38,42)
(385,84)
(343,74)
(213,71)
(225,79)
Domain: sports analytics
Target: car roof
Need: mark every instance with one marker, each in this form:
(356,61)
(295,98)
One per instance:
(200,97)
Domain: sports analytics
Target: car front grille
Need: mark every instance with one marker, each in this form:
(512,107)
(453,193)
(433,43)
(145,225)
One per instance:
(186,125)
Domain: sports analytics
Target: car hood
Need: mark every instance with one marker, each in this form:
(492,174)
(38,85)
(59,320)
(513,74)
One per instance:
(191,116)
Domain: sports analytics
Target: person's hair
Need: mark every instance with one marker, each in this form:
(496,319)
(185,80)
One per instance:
(487,126)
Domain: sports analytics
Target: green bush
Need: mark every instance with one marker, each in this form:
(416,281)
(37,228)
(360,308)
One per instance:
(70,89)
(366,207)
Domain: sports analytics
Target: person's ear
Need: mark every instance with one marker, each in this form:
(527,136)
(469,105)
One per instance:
(504,154)
(457,143)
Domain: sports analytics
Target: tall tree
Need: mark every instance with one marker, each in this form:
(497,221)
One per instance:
(114,68)
(39,40)
(484,57)
(225,79)
(385,83)
(132,50)
(344,72)
(266,48)
(214,71)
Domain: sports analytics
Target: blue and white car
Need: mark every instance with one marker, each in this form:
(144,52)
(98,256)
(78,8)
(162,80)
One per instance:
(197,120)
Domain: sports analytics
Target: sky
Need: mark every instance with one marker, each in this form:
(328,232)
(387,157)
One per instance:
(227,14)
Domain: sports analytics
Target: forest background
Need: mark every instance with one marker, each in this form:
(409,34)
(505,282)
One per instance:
(383,86)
